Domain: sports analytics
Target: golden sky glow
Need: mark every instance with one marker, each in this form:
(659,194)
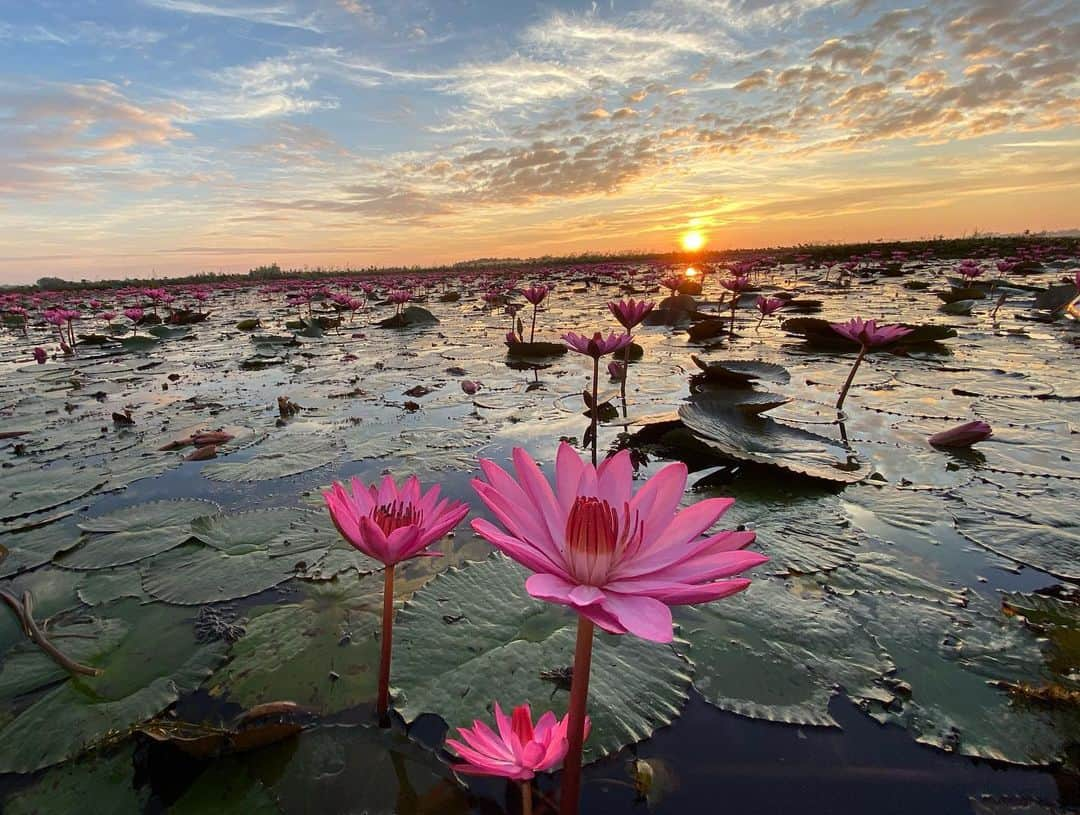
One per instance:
(345,134)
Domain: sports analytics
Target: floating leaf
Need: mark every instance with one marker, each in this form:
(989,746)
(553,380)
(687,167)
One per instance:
(740,372)
(27,490)
(769,654)
(30,549)
(133,533)
(106,779)
(321,653)
(194,574)
(147,671)
(238,533)
(951,659)
(277,458)
(761,440)
(27,668)
(1041,533)
(473,635)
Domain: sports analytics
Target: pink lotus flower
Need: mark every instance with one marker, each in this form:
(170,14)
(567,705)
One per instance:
(736,284)
(518,751)
(133,314)
(535,294)
(963,435)
(391,523)
(868,333)
(596,346)
(618,559)
(671,282)
(769,305)
(617,371)
(400,296)
(40,356)
(630,312)
(469,386)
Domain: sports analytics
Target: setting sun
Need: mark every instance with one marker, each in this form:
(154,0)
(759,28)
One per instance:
(692,241)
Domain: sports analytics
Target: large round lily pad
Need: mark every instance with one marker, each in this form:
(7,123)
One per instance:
(761,440)
(321,653)
(473,636)
(131,534)
(106,780)
(277,458)
(954,661)
(148,669)
(768,653)
(194,574)
(1042,533)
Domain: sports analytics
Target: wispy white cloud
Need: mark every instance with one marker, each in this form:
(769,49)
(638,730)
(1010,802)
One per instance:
(284,15)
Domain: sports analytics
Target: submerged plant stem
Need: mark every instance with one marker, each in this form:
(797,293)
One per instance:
(575,731)
(383,704)
(850,378)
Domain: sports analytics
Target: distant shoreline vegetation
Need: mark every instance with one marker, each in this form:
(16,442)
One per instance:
(944,248)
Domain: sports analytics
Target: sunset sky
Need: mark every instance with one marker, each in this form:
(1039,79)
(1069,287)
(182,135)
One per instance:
(178,136)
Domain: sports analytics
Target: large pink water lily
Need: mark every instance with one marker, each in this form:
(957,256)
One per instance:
(518,751)
(391,523)
(616,557)
(868,333)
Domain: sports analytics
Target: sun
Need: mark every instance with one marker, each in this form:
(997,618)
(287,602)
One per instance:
(692,241)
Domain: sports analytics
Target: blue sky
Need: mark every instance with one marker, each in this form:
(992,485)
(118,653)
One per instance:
(181,135)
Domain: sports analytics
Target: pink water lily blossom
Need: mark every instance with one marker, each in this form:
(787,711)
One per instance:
(617,558)
(535,294)
(769,305)
(518,750)
(868,333)
(392,523)
(630,312)
(597,345)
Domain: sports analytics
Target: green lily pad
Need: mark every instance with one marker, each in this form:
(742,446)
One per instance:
(770,654)
(953,660)
(740,372)
(147,671)
(106,780)
(27,668)
(321,653)
(277,458)
(238,533)
(134,533)
(473,636)
(139,342)
(1042,533)
(28,490)
(194,574)
(761,440)
(30,549)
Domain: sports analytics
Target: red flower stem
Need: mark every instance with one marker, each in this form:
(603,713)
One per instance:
(532,331)
(387,643)
(595,409)
(526,798)
(579,694)
(850,378)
